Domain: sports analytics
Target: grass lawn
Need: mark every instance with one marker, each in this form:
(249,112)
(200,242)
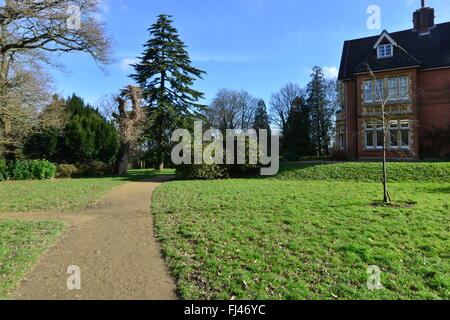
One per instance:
(21,245)
(62,194)
(296,239)
(366,171)
(23,242)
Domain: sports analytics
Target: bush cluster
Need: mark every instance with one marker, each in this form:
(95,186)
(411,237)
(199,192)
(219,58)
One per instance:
(84,169)
(27,170)
(215,171)
(218,171)
(94,168)
(66,171)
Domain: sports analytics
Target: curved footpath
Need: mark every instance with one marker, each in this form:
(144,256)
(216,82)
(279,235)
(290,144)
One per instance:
(112,243)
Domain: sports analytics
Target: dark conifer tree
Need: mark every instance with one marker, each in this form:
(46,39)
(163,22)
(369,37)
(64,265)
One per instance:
(319,104)
(261,117)
(166,76)
(86,136)
(297,137)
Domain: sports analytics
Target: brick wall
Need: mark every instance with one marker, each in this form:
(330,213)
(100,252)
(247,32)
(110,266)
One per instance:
(433,106)
(429,110)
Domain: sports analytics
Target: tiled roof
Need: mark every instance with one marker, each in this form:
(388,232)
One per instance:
(425,51)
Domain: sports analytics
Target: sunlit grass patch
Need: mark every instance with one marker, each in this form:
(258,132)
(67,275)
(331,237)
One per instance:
(21,245)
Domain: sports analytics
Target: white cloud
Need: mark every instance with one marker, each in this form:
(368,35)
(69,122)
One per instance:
(125,64)
(103,10)
(330,72)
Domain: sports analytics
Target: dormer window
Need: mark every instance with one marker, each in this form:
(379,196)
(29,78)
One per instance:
(385,51)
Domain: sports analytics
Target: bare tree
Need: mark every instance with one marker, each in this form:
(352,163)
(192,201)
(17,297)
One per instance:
(31,31)
(383,120)
(335,100)
(232,110)
(25,107)
(129,124)
(281,103)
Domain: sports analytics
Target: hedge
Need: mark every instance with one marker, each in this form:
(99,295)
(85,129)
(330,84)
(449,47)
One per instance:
(366,172)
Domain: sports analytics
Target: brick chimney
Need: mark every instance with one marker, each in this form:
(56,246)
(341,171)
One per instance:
(423,19)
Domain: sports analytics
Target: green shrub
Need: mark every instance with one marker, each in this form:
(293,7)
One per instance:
(94,168)
(66,171)
(202,172)
(31,169)
(22,170)
(42,169)
(219,171)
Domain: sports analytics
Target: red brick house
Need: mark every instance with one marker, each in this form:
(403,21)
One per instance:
(412,72)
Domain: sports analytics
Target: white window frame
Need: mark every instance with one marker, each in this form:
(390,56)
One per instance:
(399,128)
(408,129)
(377,126)
(392,91)
(382,51)
(368,99)
(403,94)
(379,88)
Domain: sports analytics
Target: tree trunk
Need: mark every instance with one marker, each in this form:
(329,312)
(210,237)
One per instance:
(386,198)
(159,164)
(123,159)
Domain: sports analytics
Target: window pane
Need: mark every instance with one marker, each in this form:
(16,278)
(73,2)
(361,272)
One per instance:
(392,88)
(379,125)
(393,124)
(368,91)
(403,88)
(405,138)
(394,138)
(388,50)
(369,139)
(404,123)
(369,125)
(379,139)
(379,90)
(385,50)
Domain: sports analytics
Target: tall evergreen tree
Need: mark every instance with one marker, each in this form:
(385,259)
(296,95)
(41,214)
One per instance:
(297,136)
(166,76)
(321,114)
(261,117)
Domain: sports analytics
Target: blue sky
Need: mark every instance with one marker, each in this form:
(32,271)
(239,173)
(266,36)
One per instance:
(255,45)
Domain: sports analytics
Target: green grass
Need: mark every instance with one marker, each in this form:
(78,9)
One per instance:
(292,239)
(366,171)
(62,194)
(21,245)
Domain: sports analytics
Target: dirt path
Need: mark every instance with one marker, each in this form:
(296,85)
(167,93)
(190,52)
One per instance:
(114,246)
